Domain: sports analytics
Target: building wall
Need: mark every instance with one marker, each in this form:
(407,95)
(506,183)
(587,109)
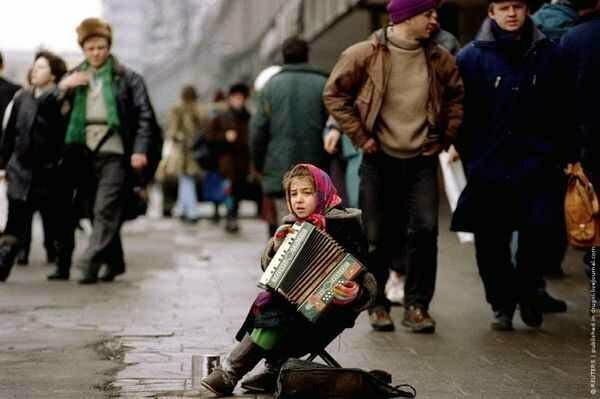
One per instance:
(213,43)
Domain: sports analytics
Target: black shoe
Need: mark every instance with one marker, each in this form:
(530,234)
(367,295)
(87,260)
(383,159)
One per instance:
(531,314)
(189,220)
(232,226)
(548,304)
(22,259)
(59,275)
(502,321)
(8,252)
(86,280)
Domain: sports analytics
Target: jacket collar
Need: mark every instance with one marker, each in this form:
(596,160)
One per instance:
(485,36)
(303,67)
(118,68)
(380,38)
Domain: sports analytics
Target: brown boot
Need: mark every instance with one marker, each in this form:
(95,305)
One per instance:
(241,360)
(418,320)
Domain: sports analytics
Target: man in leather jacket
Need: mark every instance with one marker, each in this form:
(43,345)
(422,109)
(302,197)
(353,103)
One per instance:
(112,128)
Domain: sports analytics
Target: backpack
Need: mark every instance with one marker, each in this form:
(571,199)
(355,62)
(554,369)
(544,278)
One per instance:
(581,209)
(301,379)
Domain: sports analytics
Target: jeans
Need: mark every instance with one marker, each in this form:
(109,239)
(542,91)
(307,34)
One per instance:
(187,200)
(399,199)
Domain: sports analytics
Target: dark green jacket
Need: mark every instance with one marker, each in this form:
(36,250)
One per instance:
(288,124)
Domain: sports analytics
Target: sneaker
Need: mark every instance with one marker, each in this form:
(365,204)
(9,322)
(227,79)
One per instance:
(502,321)
(380,320)
(548,304)
(394,288)
(418,320)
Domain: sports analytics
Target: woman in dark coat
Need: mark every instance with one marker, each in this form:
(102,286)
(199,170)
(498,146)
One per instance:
(30,148)
(229,135)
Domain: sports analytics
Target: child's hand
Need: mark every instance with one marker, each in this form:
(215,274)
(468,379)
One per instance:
(345,292)
(279,236)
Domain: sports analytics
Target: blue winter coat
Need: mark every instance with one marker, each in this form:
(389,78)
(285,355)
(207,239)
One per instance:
(580,48)
(511,132)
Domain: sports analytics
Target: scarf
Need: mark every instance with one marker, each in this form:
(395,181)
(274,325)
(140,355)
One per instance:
(77,121)
(327,197)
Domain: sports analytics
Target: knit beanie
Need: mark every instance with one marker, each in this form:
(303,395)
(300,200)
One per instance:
(90,27)
(401,10)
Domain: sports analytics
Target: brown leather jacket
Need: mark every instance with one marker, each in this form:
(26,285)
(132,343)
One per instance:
(355,90)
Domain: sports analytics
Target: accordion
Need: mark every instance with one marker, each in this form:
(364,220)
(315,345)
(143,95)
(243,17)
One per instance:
(306,267)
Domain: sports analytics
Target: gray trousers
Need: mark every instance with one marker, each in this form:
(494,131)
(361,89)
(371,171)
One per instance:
(108,199)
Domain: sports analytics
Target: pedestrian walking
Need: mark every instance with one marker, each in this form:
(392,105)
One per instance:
(288,125)
(186,121)
(511,144)
(580,50)
(228,135)
(31,147)
(398,96)
(7,91)
(113,129)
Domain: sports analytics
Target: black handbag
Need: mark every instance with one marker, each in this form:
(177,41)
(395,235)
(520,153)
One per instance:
(301,379)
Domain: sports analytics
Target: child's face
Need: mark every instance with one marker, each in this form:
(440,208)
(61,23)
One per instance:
(303,197)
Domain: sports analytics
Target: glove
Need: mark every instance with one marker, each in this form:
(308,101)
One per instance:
(345,292)
(279,236)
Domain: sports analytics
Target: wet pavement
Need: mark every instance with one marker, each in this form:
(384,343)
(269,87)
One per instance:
(188,288)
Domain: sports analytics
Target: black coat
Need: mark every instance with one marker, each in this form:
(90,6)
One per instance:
(7,91)
(580,48)
(32,144)
(139,128)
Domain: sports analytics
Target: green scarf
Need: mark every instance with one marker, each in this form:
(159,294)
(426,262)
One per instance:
(77,121)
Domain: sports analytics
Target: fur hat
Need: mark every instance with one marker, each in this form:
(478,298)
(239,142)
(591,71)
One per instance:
(90,27)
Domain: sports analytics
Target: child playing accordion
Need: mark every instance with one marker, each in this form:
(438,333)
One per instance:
(273,329)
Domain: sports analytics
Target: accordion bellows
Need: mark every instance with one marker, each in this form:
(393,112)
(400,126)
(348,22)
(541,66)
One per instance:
(306,267)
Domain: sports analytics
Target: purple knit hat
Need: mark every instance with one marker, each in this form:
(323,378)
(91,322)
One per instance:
(401,10)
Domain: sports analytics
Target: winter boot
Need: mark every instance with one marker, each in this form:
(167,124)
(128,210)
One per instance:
(8,253)
(62,271)
(266,380)
(241,360)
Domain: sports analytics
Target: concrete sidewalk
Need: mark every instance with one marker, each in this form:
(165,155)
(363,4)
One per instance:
(189,287)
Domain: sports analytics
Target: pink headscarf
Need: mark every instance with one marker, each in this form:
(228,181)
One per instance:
(327,196)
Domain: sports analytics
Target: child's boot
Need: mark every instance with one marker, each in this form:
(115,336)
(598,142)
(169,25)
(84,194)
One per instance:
(266,380)
(240,361)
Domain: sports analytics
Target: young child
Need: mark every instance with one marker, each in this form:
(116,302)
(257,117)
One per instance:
(273,329)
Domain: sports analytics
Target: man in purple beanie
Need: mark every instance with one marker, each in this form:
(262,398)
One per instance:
(398,96)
